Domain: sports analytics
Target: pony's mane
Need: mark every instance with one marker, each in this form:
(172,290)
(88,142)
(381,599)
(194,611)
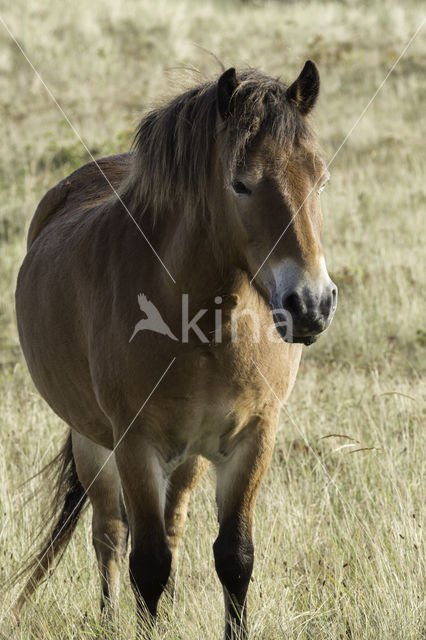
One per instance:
(173,145)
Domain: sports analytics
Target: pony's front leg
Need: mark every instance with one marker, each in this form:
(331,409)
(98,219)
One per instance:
(238,480)
(144,487)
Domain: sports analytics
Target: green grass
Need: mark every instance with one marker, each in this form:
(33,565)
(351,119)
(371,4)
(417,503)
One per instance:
(338,524)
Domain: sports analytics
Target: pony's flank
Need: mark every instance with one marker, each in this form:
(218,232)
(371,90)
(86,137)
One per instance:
(173,146)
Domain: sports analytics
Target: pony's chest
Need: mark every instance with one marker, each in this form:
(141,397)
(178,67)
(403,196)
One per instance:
(214,407)
(207,426)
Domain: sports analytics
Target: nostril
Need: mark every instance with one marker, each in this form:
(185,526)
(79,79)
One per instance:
(334,296)
(293,304)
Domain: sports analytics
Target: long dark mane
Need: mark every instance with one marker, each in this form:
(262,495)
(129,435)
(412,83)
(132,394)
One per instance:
(173,145)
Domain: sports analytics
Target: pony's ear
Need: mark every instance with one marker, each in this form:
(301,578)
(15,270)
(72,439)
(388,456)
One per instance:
(226,86)
(304,91)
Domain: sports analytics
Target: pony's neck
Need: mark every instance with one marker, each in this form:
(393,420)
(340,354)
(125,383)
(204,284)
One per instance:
(203,254)
(199,264)
(199,246)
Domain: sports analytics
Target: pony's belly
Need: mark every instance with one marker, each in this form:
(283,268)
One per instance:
(72,399)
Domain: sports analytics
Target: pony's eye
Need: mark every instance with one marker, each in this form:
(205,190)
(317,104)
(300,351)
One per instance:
(240,188)
(324,184)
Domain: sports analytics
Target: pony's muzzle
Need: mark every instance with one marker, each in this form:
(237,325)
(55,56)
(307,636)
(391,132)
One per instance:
(311,311)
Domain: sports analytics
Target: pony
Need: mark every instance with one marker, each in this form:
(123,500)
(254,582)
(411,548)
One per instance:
(212,222)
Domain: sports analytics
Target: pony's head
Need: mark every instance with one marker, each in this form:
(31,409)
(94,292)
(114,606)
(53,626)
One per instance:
(272,176)
(237,157)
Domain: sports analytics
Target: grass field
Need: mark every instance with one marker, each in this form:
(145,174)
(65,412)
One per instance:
(339,523)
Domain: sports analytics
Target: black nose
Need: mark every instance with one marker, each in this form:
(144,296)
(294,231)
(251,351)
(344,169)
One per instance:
(311,313)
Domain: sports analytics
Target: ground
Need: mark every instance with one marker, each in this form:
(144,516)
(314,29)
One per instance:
(338,525)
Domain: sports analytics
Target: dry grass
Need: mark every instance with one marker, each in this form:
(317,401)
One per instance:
(338,523)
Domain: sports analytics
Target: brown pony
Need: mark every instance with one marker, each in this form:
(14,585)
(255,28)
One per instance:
(213,224)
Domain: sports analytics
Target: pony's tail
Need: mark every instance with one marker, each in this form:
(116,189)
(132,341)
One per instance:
(67,505)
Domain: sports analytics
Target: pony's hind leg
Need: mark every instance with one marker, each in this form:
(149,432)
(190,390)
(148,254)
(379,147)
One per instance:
(181,483)
(98,474)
